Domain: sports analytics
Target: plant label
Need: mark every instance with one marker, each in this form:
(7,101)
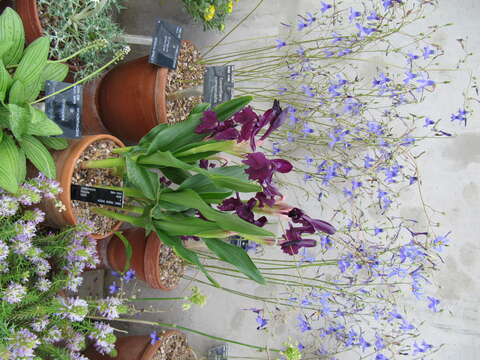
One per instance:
(218,352)
(166,44)
(239,241)
(96,195)
(218,84)
(65,108)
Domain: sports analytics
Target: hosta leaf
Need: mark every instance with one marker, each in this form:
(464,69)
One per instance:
(18,93)
(55,143)
(33,61)
(8,164)
(11,29)
(38,154)
(40,124)
(5,81)
(54,72)
(18,119)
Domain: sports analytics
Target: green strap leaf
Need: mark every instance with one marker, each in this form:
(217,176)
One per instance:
(33,61)
(166,159)
(205,187)
(204,146)
(55,143)
(225,221)
(179,134)
(237,257)
(38,154)
(8,164)
(128,249)
(188,255)
(185,225)
(227,109)
(11,29)
(40,124)
(143,179)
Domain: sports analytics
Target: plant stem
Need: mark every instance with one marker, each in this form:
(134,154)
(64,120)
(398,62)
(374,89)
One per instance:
(175,326)
(105,163)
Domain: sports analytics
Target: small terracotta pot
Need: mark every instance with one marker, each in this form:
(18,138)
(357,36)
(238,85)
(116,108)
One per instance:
(133,347)
(132,99)
(91,121)
(145,258)
(65,161)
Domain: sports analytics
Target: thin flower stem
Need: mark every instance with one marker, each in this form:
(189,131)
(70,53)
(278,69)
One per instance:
(175,326)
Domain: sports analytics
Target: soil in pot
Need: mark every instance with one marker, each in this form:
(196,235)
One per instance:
(187,75)
(171,267)
(98,150)
(174,347)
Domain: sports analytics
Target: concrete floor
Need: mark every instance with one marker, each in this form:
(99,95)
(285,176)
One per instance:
(451,172)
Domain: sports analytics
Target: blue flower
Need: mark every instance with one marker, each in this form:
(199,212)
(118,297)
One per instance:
(364,31)
(428,122)
(421,349)
(367,162)
(363,343)
(427,51)
(408,141)
(354,14)
(280,43)
(373,16)
(381,357)
(307,90)
(433,303)
(379,345)
(405,326)
(261,322)
(410,77)
(303,325)
(307,129)
(113,288)
(441,241)
(282,90)
(460,116)
(411,57)
(325,7)
(326,242)
(301,25)
(275,148)
(129,275)
(154,337)
(423,83)
(377,231)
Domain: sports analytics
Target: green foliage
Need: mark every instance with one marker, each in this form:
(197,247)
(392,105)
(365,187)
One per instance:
(74,25)
(172,211)
(22,75)
(201,11)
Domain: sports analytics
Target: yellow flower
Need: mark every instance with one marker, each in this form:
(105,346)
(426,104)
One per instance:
(230,7)
(209,13)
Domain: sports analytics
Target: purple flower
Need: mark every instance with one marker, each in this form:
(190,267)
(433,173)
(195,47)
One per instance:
(310,225)
(303,325)
(441,241)
(154,337)
(410,76)
(262,169)
(428,122)
(423,83)
(461,115)
(433,303)
(377,231)
(280,43)
(113,288)
(129,275)
(364,31)
(354,14)
(379,344)
(307,90)
(14,293)
(325,7)
(373,16)
(367,162)
(293,241)
(261,322)
(427,51)
(381,357)
(421,349)
(363,343)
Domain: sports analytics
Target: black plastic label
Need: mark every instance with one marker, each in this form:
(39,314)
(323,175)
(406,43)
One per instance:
(97,195)
(218,84)
(65,108)
(166,44)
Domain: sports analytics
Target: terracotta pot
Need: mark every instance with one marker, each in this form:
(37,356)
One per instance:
(65,161)
(133,348)
(145,256)
(91,121)
(132,99)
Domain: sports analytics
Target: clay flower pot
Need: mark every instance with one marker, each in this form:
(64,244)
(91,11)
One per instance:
(28,11)
(134,348)
(145,258)
(132,99)
(65,161)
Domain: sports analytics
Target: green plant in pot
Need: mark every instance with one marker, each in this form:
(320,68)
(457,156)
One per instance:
(180,184)
(25,131)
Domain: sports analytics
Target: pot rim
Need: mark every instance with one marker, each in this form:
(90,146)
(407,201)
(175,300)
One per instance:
(151,349)
(152,268)
(67,174)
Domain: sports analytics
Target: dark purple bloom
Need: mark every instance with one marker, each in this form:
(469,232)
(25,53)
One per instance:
(209,122)
(310,225)
(293,241)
